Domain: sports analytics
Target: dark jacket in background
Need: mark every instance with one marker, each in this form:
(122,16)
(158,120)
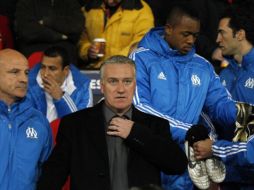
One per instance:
(59,17)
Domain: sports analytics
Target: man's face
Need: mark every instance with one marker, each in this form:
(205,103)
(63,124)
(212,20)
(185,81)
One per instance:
(182,35)
(13,78)
(51,69)
(226,40)
(112,3)
(118,86)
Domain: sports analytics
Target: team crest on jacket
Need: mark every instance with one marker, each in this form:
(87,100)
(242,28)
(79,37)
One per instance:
(249,83)
(195,80)
(31,133)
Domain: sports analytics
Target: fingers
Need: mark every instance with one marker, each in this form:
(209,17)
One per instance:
(113,128)
(202,149)
(47,83)
(93,51)
(52,87)
(120,127)
(49,79)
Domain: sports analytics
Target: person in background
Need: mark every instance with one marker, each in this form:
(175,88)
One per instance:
(25,135)
(57,87)
(209,18)
(7,36)
(122,23)
(112,145)
(235,39)
(177,84)
(41,24)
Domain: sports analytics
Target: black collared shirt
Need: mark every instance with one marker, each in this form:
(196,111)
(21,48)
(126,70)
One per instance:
(117,153)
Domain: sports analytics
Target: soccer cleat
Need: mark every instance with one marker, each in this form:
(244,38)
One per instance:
(196,169)
(216,170)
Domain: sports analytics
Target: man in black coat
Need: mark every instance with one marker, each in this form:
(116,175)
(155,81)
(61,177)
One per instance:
(112,146)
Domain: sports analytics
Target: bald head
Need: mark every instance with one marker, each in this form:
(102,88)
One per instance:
(13,76)
(11,56)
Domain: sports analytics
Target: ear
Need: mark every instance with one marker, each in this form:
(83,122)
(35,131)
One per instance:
(168,29)
(240,35)
(66,70)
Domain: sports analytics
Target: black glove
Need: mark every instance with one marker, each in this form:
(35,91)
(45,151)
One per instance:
(244,125)
(250,128)
(245,113)
(196,133)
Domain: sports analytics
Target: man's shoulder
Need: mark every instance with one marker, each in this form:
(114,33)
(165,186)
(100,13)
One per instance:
(79,78)
(148,117)
(86,113)
(33,113)
(143,54)
(200,62)
(198,58)
(35,92)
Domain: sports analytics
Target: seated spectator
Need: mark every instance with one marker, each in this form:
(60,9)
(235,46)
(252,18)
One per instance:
(57,87)
(121,23)
(6,38)
(40,24)
(25,137)
(7,10)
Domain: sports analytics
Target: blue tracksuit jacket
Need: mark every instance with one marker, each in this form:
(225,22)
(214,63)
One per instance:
(80,98)
(178,87)
(25,143)
(239,159)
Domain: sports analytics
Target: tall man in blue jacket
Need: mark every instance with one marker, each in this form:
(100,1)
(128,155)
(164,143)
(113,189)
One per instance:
(175,83)
(25,136)
(235,39)
(58,88)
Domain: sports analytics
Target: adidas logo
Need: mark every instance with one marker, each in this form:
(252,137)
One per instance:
(161,76)
(249,83)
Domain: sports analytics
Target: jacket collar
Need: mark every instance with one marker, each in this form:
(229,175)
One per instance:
(20,110)
(97,127)
(247,61)
(154,40)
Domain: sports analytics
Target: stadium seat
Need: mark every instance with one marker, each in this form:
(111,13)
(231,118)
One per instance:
(34,58)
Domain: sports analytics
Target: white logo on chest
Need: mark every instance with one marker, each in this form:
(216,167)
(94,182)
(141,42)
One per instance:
(161,76)
(195,80)
(249,83)
(31,133)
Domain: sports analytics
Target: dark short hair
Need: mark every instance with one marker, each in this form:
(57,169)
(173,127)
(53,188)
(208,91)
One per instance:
(180,9)
(241,17)
(55,51)
(117,59)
